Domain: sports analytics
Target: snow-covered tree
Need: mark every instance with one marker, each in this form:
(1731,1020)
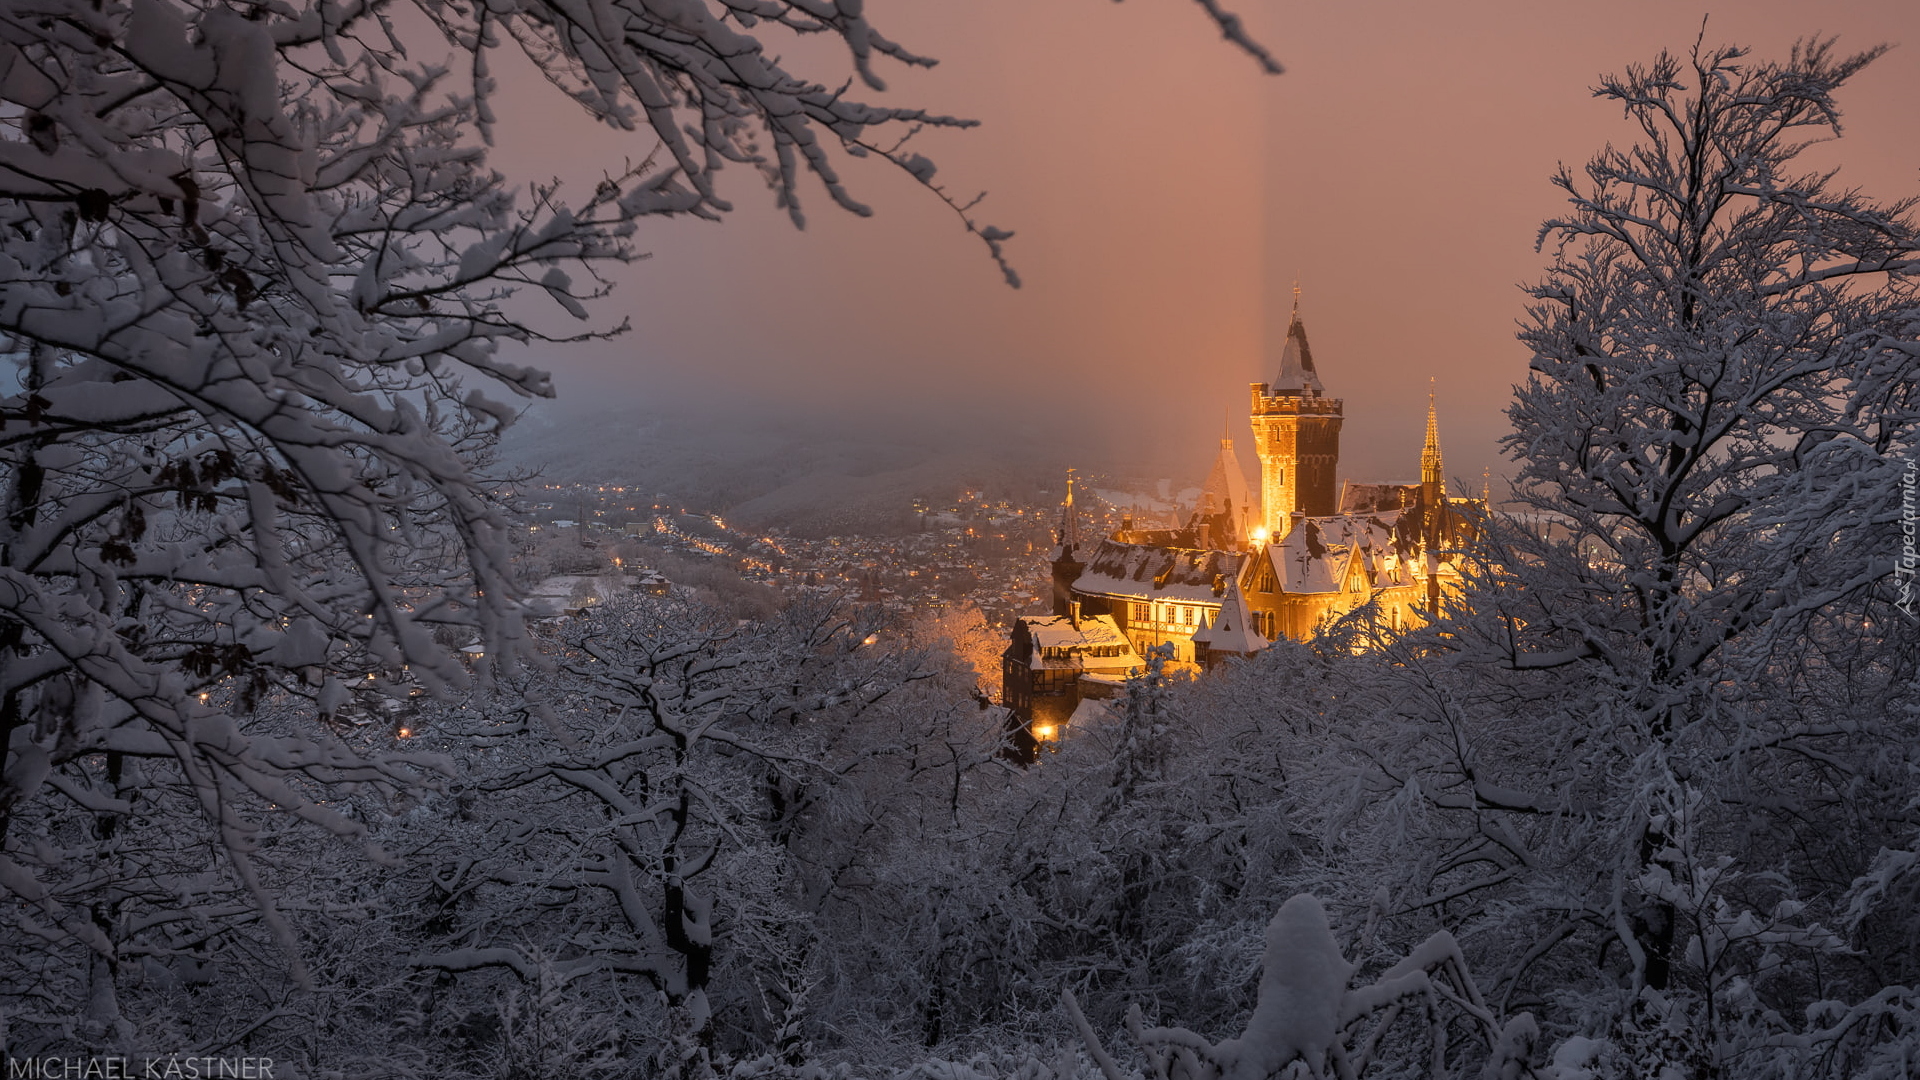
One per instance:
(1719,409)
(652,807)
(1643,766)
(253,276)
(1309,1020)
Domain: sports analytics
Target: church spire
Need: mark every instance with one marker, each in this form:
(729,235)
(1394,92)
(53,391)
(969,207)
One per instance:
(1069,521)
(1430,471)
(1066,564)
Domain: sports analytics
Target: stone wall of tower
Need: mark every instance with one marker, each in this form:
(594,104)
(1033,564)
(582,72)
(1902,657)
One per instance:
(1318,447)
(1298,440)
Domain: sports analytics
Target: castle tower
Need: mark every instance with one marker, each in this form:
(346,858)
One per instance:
(1296,430)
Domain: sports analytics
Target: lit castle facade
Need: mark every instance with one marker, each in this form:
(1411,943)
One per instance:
(1248,568)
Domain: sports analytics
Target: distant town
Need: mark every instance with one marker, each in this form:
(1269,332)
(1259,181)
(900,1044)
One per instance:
(970,546)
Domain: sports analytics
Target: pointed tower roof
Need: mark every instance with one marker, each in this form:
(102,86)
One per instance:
(1069,521)
(1226,485)
(1430,470)
(1069,527)
(1232,630)
(1297,375)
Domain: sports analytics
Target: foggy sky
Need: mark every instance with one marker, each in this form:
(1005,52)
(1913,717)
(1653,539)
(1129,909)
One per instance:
(1164,195)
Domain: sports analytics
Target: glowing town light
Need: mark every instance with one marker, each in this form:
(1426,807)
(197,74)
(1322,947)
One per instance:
(870,638)
(404,733)
(1045,732)
(1259,536)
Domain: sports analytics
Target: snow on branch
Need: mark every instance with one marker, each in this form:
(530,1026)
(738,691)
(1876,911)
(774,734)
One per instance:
(1308,1014)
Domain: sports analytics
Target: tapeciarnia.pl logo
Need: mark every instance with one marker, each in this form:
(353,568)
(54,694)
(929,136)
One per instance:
(1908,562)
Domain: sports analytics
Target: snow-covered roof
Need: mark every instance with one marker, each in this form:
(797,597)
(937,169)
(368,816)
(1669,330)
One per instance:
(1154,572)
(557,594)
(1057,643)
(1059,632)
(1374,498)
(1090,712)
(1318,553)
(1232,630)
(1297,375)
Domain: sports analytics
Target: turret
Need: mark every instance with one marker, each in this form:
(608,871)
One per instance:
(1433,498)
(1226,500)
(1430,472)
(1231,633)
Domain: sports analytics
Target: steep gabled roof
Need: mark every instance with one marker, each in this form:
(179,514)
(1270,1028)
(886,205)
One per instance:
(1232,630)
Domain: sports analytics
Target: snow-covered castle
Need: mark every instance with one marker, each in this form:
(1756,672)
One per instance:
(1249,567)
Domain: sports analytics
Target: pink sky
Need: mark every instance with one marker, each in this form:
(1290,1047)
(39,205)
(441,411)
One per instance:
(1164,194)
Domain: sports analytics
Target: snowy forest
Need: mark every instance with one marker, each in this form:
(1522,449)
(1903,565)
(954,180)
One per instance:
(1643,802)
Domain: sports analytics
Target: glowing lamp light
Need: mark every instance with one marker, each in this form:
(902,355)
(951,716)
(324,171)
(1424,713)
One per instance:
(404,733)
(1045,732)
(870,639)
(1259,536)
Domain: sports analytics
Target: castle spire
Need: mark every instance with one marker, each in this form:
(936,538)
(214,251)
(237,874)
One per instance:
(1065,561)
(1430,470)
(1433,492)
(1297,375)
(1069,521)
